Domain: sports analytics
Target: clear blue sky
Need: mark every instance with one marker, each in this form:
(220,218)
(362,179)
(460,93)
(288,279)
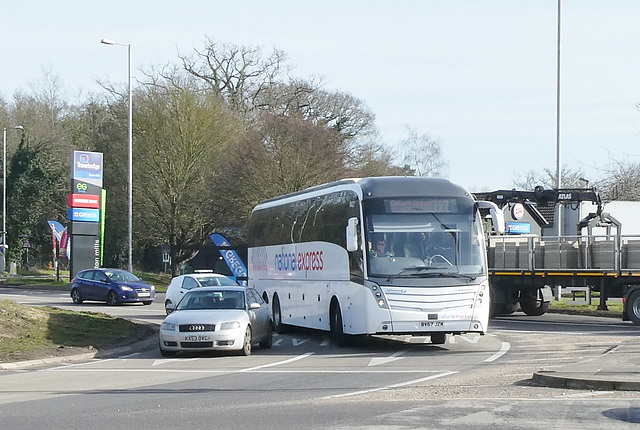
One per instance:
(480,75)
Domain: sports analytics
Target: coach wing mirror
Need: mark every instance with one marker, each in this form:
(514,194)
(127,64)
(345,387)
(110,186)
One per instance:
(497,216)
(352,234)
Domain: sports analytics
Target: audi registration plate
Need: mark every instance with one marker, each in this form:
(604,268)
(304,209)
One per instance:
(196,338)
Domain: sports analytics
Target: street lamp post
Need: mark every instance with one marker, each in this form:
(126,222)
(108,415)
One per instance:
(4,192)
(111,42)
(558,154)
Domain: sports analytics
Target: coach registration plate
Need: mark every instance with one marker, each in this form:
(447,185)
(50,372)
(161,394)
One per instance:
(431,324)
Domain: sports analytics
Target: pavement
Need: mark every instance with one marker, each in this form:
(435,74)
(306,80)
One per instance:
(617,369)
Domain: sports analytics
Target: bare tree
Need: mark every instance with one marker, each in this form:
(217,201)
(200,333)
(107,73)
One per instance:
(423,155)
(238,74)
(338,111)
(370,157)
(250,82)
(622,181)
(547,179)
(300,153)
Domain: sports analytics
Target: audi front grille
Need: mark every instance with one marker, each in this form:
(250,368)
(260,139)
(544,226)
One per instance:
(196,328)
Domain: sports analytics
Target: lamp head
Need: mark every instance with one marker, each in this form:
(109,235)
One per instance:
(108,42)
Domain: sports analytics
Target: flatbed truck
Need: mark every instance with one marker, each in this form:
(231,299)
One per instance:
(524,268)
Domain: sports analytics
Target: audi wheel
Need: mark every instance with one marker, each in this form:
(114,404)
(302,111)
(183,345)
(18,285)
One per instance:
(246,346)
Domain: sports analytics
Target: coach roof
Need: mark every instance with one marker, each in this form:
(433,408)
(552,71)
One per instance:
(410,186)
(390,186)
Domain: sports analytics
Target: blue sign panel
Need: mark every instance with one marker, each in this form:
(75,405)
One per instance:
(230,257)
(87,167)
(518,227)
(83,214)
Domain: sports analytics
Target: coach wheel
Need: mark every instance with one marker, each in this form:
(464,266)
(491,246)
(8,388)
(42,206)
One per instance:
(336,327)
(633,307)
(438,338)
(277,315)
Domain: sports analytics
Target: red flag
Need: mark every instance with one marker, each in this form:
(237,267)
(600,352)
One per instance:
(64,242)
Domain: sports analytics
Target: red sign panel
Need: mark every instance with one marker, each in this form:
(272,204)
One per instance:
(83,201)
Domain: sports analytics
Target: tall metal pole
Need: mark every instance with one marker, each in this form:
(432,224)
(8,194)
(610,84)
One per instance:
(130,133)
(558,161)
(4,195)
(558,154)
(130,165)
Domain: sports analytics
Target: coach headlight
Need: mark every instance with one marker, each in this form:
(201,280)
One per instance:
(377,292)
(480,298)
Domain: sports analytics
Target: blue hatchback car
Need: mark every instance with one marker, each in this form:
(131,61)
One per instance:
(114,286)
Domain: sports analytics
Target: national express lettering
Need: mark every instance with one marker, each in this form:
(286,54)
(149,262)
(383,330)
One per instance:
(308,261)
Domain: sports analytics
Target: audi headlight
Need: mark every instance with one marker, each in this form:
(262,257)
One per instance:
(168,326)
(229,325)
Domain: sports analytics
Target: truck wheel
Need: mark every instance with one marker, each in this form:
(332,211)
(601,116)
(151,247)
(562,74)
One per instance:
(503,308)
(532,303)
(633,307)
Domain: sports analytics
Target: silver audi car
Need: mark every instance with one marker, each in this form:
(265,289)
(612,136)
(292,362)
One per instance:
(223,318)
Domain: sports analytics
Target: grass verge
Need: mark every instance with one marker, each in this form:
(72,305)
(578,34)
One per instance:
(28,332)
(47,278)
(563,306)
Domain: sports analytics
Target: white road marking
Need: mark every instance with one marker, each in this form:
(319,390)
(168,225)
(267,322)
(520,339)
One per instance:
(172,360)
(375,361)
(135,354)
(277,363)
(298,342)
(388,387)
(473,339)
(503,350)
(74,365)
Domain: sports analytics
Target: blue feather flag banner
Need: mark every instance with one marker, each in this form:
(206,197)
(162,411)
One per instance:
(231,257)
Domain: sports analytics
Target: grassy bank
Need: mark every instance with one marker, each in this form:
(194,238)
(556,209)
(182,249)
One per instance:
(28,332)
